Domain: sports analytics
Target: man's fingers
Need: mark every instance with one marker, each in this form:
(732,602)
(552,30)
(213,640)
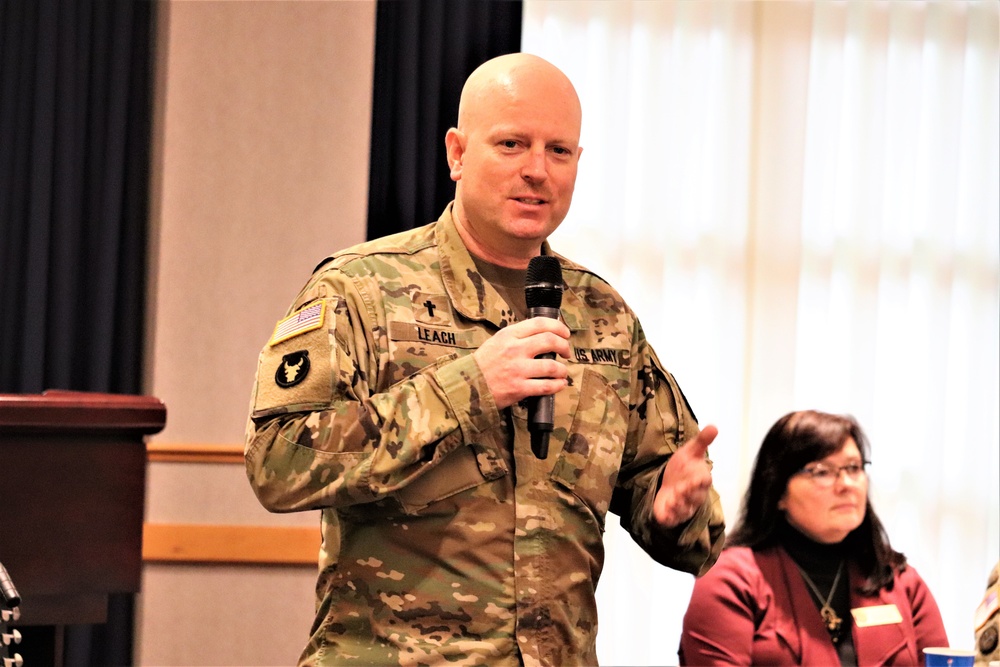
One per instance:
(672,508)
(699,444)
(536,336)
(536,325)
(544,343)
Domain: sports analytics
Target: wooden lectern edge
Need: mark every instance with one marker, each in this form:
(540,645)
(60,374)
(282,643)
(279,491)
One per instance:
(58,411)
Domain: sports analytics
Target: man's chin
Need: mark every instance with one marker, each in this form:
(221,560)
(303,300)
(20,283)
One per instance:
(529,228)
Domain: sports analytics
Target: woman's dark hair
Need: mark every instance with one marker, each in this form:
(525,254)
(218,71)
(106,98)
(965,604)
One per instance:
(796,440)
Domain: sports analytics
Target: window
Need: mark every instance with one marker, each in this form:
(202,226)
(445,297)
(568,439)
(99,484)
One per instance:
(802,203)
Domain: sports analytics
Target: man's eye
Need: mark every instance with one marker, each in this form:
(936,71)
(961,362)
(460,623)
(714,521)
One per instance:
(510,143)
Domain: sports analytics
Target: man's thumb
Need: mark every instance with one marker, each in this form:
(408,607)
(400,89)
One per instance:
(705,438)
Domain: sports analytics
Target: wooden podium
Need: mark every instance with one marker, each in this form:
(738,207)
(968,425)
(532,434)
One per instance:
(72,495)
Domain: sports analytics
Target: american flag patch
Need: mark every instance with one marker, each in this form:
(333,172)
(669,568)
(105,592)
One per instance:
(299,322)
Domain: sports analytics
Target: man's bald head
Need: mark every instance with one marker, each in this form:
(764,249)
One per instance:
(505,78)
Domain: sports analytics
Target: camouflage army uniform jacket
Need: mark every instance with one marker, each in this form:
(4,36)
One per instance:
(445,540)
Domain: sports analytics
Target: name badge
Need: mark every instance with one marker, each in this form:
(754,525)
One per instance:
(885,614)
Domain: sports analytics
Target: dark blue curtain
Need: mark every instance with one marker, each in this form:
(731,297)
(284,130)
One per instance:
(424,51)
(75,90)
(75,118)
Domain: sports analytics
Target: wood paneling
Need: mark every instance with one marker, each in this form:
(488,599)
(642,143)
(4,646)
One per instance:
(207,543)
(194,453)
(212,543)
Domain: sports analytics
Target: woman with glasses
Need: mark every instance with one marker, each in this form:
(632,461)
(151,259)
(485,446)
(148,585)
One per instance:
(808,576)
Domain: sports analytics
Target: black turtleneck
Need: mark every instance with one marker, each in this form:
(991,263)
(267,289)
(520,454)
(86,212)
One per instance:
(820,562)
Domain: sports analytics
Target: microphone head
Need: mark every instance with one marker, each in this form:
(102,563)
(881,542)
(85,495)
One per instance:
(544,269)
(543,284)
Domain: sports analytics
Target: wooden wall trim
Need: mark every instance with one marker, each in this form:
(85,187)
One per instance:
(194,453)
(209,543)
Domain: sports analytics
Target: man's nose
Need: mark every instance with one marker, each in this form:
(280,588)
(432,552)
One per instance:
(535,167)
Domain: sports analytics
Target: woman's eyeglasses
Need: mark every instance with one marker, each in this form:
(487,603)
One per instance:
(825,475)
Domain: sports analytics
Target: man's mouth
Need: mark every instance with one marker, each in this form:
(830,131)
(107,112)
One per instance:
(529,200)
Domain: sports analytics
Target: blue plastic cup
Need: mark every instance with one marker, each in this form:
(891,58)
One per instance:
(942,656)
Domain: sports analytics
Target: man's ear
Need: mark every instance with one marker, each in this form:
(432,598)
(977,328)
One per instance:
(454,143)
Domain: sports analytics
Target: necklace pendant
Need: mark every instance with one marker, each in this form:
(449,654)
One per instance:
(826,612)
(831,619)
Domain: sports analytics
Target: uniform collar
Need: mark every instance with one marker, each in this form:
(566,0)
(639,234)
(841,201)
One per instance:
(470,294)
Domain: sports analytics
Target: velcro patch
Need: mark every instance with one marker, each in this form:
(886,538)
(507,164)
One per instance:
(306,319)
(602,355)
(433,309)
(433,335)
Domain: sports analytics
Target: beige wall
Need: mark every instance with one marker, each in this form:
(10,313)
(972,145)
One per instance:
(260,169)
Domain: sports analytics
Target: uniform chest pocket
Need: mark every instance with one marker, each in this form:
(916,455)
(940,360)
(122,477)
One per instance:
(591,455)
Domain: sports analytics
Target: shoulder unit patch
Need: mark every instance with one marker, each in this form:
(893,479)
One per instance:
(293,369)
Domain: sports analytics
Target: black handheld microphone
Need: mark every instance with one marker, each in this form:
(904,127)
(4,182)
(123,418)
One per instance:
(543,287)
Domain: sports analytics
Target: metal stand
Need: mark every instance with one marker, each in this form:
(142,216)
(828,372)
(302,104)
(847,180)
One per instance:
(10,611)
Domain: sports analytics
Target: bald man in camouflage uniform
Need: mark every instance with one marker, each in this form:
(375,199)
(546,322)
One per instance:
(391,397)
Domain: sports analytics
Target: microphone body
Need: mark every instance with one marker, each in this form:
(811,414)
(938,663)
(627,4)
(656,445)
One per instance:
(543,288)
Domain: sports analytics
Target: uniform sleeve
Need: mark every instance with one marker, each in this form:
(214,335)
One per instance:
(320,436)
(720,621)
(661,421)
